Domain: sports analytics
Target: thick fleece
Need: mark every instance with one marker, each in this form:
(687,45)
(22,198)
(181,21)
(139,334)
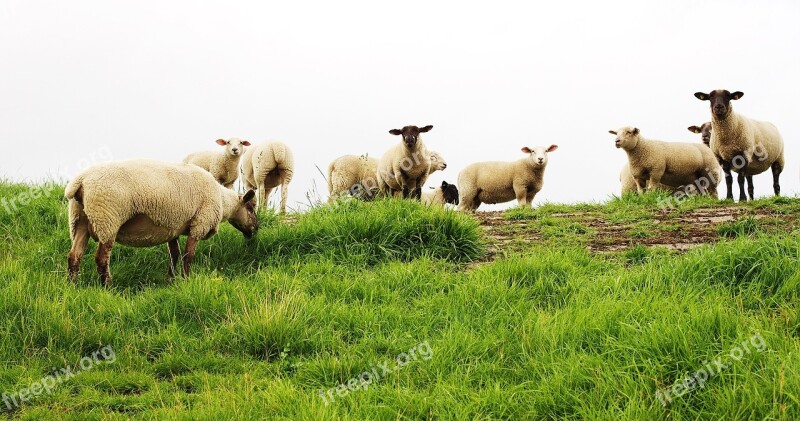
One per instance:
(266,166)
(224,166)
(405,167)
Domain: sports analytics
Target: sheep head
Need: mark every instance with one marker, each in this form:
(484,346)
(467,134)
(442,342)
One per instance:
(410,134)
(627,137)
(450,193)
(720,101)
(437,162)
(233,146)
(705,130)
(244,217)
(538,154)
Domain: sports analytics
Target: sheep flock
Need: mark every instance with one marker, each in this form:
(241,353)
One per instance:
(144,203)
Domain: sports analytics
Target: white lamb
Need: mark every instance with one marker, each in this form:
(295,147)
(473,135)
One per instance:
(143,203)
(224,166)
(405,167)
(672,164)
(446,193)
(741,144)
(266,166)
(498,182)
(356,175)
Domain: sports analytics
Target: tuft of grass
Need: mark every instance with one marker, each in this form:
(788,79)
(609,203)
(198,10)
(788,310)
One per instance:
(743,227)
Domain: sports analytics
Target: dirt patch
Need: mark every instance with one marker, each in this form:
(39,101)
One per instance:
(594,230)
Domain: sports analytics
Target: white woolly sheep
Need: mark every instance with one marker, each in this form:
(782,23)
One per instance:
(498,182)
(143,203)
(741,144)
(672,164)
(357,175)
(405,167)
(628,184)
(446,193)
(266,166)
(224,166)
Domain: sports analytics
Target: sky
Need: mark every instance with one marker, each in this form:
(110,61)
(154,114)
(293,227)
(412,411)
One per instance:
(89,81)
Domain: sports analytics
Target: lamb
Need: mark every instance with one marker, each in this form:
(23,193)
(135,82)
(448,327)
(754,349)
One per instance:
(223,166)
(143,203)
(405,167)
(446,193)
(741,144)
(674,165)
(497,182)
(356,175)
(266,166)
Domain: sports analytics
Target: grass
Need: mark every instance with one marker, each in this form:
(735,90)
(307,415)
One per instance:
(261,327)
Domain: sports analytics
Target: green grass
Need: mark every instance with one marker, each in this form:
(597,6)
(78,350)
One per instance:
(549,332)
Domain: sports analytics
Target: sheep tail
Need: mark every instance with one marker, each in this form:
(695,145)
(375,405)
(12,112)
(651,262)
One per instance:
(74,189)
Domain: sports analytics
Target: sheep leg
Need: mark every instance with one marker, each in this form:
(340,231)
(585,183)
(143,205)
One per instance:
(191,246)
(263,197)
(750,189)
(174,255)
(522,196)
(740,178)
(101,258)
(777,168)
(726,168)
(80,238)
(284,194)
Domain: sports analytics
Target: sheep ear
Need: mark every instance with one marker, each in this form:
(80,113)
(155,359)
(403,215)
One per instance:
(612,132)
(425,129)
(444,184)
(694,129)
(527,150)
(250,195)
(396,132)
(701,96)
(552,148)
(221,142)
(737,95)
(245,143)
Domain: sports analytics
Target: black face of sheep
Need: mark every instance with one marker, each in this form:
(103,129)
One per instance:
(410,134)
(244,218)
(720,100)
(450,192)
(705,130)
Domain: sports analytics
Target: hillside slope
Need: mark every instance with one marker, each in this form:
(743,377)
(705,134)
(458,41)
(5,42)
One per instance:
(390,310)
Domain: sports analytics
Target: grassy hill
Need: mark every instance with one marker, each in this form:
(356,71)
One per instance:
(391,310)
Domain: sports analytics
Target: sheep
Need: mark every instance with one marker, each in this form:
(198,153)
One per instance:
(143,203)
(746,146)
(674,165)
(497,182)
(405,167)
(224,166)
(356,175)
(266,166)
(446,193)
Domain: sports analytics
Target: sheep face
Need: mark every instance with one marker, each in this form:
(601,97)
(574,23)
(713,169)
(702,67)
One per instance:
(704,130)
(538,154)
(450,193)
(233,146)
(410,134)
(244,216)
(437,162)
(720,101)
(627,137)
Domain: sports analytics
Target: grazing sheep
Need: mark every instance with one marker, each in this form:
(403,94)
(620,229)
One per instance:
(266,166)
(741,144)
(497,182)
(446,193)
(674,165)
(705,131)
(356,175)
(405,167)
(224,166)
(144,203)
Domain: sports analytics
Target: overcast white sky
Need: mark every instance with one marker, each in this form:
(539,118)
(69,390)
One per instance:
(156,79)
